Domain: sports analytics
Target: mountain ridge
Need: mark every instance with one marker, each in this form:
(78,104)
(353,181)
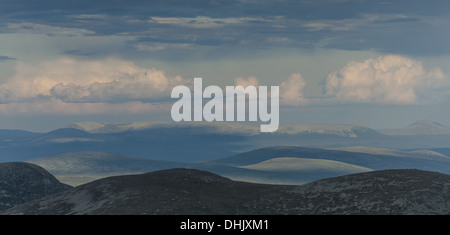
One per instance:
(192,142)
(420,127)
(189,192)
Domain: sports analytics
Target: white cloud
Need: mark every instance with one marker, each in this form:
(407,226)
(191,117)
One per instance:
(291,90)
(205,21)
(253,81)
(71,80)
(142,47)
(390,79)
(33,28)
(163,46)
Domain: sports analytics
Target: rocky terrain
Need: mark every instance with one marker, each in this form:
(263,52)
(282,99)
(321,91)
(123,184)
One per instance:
(22,182)
(378,192)
(189,192)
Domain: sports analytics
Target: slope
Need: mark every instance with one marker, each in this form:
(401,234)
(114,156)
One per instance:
(188,192)
(21,182)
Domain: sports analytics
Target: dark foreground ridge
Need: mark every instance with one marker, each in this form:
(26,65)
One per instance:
(22,182)
(190,192)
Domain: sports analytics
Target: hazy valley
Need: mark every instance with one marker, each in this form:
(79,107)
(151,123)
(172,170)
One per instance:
(309,162)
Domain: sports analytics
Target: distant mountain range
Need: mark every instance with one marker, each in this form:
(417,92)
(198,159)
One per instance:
(344,130)
(421,127)
(190,192)
(191,142)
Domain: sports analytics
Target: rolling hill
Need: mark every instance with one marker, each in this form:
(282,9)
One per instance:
(315,163)
(291,170)
(285,164)
(365,157)
(21,182)
(274,165)
(78,168)
(190,192)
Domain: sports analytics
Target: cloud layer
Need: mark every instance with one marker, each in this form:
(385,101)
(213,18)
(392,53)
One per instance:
(224,26)
(73,86)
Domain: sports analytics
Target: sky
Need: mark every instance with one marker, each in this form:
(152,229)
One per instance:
(382,64)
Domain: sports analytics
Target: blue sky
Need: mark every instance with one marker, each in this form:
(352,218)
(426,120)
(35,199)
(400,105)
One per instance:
(376,63)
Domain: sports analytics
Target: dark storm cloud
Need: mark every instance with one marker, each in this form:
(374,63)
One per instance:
(402,26)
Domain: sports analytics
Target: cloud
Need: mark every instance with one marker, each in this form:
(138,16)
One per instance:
(76,52)
(389,79)
(253,81)
(291,90)
(33,28)
(110,80)
(54,106)
(163,46)
(420,28)
(206,21)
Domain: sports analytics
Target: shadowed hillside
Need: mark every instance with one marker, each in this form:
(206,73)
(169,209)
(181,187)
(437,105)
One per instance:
(183,191)
(21,182)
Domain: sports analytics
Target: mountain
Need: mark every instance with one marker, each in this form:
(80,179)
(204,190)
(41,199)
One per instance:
(421,127)
(171,142)
(190,142)
(378,192)
(14,135)
(80,167)
(423,154)
(65,135)
(342,130)
(203,127)
(189,192)
(21,182)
